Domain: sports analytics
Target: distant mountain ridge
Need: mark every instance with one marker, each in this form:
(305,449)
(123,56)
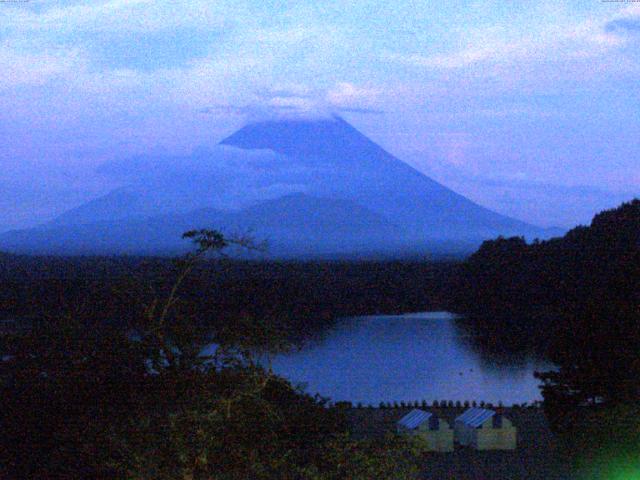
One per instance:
(307,186)
(336,226)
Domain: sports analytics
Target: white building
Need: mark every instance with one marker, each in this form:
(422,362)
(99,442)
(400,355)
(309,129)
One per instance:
(436,433)
(485,429)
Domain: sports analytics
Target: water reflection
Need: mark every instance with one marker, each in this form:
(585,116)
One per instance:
(431,356)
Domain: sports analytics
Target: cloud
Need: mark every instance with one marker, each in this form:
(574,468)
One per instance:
(300,101)
(363,111)
(625,25)
(270,104)
(578,43)
(347,93)
(461,59)
(267,111)
(119,15)
(228,110)
(287,91)
(554,43)
(349,98)
(37,68)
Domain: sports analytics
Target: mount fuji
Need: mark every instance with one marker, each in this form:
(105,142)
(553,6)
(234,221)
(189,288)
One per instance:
(307,187)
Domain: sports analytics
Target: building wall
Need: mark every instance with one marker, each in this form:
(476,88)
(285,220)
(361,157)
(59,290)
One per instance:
(487,437)
(464,435)
(437,440)
(496,439)
(440,440)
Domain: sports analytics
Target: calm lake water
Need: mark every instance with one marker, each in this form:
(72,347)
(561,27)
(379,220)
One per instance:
(406,358)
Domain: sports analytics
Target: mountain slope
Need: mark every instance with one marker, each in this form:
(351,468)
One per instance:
(312,186)
(349,165)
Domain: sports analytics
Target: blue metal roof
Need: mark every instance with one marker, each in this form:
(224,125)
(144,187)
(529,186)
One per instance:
(414,418)
(474,417)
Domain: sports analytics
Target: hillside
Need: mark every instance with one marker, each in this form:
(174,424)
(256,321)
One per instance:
(534,294)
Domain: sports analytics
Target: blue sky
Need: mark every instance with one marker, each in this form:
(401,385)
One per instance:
(532,109)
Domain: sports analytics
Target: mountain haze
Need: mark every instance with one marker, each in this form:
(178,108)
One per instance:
(309,187)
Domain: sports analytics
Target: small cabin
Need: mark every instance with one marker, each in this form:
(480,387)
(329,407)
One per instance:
(436,433)
(484,429)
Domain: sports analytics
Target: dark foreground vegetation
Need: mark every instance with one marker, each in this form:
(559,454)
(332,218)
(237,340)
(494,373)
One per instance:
(107,379)
(301,297)
(84,398)
(579,296)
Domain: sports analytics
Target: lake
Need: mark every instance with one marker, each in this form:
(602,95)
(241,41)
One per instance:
(408,357)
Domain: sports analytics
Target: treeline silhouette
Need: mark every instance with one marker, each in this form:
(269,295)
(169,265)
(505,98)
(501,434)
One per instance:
(297,296)
(579,297)
(528,291)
